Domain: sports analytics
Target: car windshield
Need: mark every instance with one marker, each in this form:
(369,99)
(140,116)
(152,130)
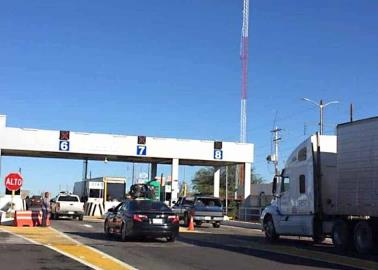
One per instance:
(148,205)
(208,202)
(68,199)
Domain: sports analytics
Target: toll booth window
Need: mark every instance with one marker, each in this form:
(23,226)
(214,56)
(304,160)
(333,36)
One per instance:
(115,191)
(302,184)
(285,184)
(302,154)
(95,193)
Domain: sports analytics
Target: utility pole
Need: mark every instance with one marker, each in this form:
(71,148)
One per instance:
(226,190)
(321,106)
(351,112)
(276,142)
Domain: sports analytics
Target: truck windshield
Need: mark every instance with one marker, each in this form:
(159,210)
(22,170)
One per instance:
(208,202)
(68,199)
(148,205)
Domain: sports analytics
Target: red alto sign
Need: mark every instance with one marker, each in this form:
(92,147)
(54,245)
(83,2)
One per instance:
(13,181)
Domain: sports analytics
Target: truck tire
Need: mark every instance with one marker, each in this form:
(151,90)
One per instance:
(341,235)
(186,219)
(363,237)
(216,224)
(81,217)
(269,229)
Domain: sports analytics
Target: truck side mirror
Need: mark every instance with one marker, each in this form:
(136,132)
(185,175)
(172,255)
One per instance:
(274,186)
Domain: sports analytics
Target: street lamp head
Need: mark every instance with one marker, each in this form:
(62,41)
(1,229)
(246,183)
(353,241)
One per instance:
(309,100)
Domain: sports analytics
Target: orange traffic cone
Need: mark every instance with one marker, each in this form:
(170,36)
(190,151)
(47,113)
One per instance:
(191,224)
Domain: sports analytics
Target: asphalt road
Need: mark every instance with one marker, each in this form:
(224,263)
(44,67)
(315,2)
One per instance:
(209,248)
(19,254)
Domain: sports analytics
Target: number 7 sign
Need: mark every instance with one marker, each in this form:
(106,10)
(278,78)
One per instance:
(141,150)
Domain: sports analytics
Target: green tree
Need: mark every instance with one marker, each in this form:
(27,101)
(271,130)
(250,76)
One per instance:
(203,180)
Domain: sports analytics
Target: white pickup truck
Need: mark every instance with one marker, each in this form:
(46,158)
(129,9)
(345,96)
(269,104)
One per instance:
(66,204)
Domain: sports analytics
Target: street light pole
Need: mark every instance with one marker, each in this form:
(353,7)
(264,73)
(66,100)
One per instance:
(321,106)
(321,123)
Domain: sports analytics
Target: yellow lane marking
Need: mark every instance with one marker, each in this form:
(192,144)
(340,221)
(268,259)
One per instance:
(185,230)
(93,219)
(67,246)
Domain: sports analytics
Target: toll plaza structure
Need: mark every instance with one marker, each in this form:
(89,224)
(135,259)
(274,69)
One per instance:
(29,142)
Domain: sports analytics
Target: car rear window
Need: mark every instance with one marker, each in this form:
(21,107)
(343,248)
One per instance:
(208,202)
(68,199)
(147,205)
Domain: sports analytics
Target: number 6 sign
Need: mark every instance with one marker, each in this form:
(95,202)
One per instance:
(64,145)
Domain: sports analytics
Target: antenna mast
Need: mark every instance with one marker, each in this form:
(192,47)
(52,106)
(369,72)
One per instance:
(244,62)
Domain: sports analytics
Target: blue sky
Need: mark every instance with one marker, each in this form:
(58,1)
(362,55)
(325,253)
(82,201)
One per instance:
(171,68)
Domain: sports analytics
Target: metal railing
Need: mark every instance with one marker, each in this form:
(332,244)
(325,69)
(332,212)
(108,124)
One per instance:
(249,213)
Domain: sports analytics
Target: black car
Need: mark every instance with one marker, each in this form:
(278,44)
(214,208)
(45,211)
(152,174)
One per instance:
(142,218)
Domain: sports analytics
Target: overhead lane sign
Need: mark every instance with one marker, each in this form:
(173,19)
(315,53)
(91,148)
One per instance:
(64,140)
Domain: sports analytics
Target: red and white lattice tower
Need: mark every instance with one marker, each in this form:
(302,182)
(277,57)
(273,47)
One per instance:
(244,62)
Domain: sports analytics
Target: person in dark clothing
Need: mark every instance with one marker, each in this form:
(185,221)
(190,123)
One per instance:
(45,208)
(27,202)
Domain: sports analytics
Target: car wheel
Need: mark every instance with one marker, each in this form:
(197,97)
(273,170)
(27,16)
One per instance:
(216,224)
(171,239)
(124,233)
(269,229)
(81,217)
(198,223)
(363,237)
(341,235)
(107,229)
(318,239)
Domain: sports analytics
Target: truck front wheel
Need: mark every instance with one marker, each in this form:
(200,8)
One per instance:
(341,235)
(270,231)
(363,237)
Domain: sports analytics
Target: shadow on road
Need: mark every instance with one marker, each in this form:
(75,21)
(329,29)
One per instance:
(103,237)
(234,243)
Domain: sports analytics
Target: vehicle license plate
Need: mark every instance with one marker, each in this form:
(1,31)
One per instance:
(70,213)
(207,218)
(157,221)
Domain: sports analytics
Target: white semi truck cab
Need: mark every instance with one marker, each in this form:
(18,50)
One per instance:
(329,188)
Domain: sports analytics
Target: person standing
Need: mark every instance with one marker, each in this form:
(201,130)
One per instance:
(45,208)
(27,203)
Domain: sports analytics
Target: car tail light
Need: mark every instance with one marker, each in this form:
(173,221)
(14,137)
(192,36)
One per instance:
(173,219)
(139,218)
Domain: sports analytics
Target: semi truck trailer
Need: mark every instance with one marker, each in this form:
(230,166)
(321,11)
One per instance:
(329,188)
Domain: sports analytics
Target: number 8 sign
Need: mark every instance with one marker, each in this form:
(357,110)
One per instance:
(218,154)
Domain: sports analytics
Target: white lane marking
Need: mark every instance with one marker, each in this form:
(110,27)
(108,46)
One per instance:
(88,225)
